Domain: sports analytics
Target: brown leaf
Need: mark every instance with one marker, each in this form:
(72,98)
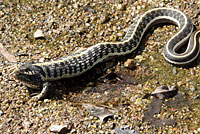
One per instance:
(153,108)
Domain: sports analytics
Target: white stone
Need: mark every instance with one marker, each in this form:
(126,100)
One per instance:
(38,34)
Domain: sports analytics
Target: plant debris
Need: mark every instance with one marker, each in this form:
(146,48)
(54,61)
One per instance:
(161,93)
(126,130)
(164,92)
(102,112)
(6,54)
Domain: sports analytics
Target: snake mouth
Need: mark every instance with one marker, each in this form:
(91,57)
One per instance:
(32,81)
(31,84)
(29,75)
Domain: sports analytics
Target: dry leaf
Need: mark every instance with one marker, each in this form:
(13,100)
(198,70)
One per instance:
(125,130)
(165,92)
(98,111)
(6,54)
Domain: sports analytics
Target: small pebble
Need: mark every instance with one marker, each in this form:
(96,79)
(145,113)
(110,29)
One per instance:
(129,64)
(192,89)
(1,113)
(46,100)
(104,18)
(41,59)
(121,7)
(198,129)
(138,101)
(61,129)
(174,71)
(38,34)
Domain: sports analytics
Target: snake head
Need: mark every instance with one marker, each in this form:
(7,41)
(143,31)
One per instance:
(29,74)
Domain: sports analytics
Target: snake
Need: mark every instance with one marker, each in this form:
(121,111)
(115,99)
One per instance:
(40,75)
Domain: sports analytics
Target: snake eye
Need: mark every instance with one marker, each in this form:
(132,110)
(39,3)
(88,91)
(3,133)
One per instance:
(26,69)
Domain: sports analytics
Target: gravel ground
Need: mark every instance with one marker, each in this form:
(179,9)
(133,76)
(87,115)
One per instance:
(75,23)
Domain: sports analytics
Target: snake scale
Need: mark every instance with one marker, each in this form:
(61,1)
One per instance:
(39,75)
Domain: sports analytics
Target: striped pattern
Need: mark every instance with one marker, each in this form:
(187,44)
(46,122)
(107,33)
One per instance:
(80,62)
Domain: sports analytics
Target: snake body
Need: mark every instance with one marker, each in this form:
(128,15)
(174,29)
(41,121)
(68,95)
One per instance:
(39,74)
